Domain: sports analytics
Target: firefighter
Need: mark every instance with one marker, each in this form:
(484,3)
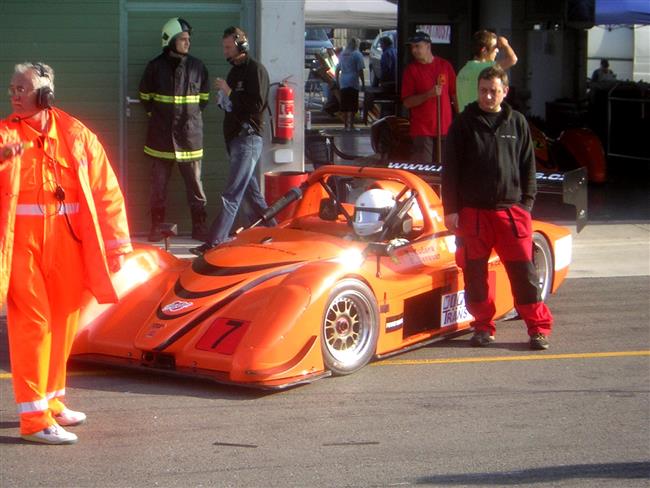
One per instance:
(63,228)
(174,90)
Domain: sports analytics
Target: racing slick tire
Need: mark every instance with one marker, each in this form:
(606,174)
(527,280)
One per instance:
(350,327)
(543,260)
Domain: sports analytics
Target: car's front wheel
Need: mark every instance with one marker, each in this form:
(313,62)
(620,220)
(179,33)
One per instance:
(350,327)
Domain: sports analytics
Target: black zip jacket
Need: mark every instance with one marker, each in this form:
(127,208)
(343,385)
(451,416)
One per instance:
(249,83)
(488,168)
(174,91)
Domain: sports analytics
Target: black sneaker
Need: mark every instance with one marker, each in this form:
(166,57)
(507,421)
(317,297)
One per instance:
(201,250)
(481,339)
(539,342)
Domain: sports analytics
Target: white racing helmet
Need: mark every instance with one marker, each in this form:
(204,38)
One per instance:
(370,210)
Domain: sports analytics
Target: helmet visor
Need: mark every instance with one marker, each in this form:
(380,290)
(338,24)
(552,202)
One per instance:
(370,215)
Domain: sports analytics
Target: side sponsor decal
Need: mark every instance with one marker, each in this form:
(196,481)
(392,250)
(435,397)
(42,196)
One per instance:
(176,306)
(153,329)
(549,176)
(394,323)
(429,168)
(454,310)
(436,169)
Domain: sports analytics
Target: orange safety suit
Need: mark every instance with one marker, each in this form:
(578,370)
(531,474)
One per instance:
(51,249)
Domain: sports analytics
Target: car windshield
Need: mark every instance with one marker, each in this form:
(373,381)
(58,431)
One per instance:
(315,34)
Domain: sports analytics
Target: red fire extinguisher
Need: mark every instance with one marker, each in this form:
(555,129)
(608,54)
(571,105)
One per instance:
(284,121)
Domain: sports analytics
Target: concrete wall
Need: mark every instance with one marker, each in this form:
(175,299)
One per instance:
(281,48)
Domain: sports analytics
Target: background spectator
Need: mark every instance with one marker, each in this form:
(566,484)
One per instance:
(603,73)
(428,85)
(350,78)
(486,46)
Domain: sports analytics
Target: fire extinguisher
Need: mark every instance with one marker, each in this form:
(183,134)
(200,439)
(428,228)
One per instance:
(284,121)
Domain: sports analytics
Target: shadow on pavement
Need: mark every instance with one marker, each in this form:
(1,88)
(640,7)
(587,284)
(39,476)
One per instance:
(620,471)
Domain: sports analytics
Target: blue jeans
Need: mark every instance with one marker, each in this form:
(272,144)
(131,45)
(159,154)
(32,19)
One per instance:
(244,151)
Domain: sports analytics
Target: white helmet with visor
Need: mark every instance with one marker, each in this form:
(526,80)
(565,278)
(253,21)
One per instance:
(370,211)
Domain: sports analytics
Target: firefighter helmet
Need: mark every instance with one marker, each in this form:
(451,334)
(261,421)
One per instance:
(172,28)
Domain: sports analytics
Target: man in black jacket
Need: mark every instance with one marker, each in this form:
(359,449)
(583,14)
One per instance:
(243,96)
(488,191)
(174,90)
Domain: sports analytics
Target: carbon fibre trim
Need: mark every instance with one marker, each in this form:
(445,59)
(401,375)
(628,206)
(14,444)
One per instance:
(202,267)
(183,292)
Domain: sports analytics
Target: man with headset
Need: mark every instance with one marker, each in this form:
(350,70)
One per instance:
(63,228)
(243,96)
(174,90)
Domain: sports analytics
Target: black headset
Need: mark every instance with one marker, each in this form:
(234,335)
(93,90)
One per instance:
(45,94)
(242,43)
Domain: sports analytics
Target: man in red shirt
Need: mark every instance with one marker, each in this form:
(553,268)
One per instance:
(427,81)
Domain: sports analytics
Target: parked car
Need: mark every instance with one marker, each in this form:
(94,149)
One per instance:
(315,40)
(375,56)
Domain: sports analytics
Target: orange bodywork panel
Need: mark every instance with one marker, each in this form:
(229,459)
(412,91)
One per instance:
(257,311)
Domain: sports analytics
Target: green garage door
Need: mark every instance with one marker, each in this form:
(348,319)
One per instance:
(144,21)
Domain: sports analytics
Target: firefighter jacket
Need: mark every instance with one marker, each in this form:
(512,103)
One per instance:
(174,91)
(103,224)
(489,164)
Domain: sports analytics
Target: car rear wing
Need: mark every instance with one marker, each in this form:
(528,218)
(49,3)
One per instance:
(572,185)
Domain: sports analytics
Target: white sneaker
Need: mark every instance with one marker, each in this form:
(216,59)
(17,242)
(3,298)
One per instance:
(54,434)
(69,418)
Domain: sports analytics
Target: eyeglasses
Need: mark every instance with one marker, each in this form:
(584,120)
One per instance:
(19,90)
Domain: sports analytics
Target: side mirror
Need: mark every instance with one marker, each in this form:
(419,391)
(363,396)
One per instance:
(328,210)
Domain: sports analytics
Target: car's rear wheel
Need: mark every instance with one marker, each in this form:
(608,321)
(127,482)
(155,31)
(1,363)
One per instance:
(543,260)
(350,327)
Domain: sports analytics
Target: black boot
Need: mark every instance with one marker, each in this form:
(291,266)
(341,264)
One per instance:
(157,216)
(199,229)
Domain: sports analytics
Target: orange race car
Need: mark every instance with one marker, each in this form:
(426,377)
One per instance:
(281,306)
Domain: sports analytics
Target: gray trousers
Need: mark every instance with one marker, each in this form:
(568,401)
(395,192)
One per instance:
(161,171)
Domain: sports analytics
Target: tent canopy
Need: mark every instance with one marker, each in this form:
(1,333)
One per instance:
(368,14)
(622,12)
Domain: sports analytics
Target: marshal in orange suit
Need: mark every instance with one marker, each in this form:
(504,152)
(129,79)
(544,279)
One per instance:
(63,229)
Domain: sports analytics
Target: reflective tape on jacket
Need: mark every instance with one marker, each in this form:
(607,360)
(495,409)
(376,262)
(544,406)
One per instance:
(175,99)
(177,155)
(37,209)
